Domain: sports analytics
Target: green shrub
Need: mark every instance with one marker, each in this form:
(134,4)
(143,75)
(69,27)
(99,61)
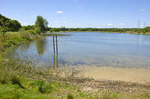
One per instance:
(17,80)
(70,96)
(45,87)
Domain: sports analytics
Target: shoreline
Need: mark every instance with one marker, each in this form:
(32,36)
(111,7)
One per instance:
(129,32)
(133,75)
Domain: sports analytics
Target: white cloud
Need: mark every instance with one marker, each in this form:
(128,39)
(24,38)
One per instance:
(142,26)
(109,24)
(60,12)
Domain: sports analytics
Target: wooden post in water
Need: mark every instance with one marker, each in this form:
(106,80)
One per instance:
(56,52)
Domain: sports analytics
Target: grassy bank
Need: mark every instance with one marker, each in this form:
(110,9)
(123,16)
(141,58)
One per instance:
(15,38)
(23,81)
(26,82)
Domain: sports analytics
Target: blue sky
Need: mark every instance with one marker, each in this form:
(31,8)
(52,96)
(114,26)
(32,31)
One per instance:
(80,13)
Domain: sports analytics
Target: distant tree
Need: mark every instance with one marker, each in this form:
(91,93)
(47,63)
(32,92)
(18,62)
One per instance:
(147,29)
(41,24)
(28,27)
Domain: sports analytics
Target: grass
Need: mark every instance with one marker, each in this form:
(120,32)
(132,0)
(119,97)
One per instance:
(15,38)
(21,81)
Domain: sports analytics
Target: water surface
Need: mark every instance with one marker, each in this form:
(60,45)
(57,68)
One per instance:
(88,48)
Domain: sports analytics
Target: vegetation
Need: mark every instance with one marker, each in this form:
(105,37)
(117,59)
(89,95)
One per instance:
(41,24)
(7,24)
(21,81)
(120,30)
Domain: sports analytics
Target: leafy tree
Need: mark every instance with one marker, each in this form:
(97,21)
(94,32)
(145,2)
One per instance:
(4,23)
(14,25)
(7,24)
(28,27)
(147,29)
(41,24)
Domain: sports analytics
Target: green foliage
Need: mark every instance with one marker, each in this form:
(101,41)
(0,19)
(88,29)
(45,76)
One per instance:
(15,38)
(37,30)
(120,30)
(28,27)
(45,87)
(7,24)
(17,80)
(41,24)
(70,96)
(147,29)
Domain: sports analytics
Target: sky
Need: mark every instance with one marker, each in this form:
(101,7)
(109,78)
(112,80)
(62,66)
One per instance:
(80,13)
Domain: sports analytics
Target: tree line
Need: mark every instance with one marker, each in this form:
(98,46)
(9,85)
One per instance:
(7,24)
(133,30)
(41,26)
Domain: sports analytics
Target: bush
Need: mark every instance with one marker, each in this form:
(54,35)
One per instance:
(17,80)
(70,96)
(45,87)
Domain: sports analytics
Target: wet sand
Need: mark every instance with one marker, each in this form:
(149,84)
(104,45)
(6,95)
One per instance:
(136,75)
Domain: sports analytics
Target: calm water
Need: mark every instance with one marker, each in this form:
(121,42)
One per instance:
(88,48)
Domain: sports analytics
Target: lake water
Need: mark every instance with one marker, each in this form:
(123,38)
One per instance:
(88,48)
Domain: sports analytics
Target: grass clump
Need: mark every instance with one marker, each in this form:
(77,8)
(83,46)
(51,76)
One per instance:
(70,96)
(45,87)
(110,95)
(17,80)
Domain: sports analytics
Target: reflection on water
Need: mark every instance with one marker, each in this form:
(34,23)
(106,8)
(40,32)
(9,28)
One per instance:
(40,45)
(88,48)
(55,48)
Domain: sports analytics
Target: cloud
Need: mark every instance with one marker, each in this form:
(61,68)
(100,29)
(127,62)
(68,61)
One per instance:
(142,10)
(59,12)
(142,26)
(109,24)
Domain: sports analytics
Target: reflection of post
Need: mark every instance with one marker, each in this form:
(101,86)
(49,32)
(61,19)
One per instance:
(56,52)
(55,48)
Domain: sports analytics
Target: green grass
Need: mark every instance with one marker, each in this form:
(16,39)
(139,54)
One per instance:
(15,38)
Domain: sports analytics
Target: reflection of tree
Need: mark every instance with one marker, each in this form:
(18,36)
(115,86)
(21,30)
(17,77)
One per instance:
(25,46)
(40,46)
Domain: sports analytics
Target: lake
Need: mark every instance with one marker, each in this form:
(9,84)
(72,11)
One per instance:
(87,48)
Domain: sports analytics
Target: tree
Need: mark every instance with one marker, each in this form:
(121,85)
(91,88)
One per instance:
(7,24)
(14,25)
(41,24)
(4,23)
(147,29)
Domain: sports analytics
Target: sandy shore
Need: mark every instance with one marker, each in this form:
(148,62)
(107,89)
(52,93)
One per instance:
(136,75)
